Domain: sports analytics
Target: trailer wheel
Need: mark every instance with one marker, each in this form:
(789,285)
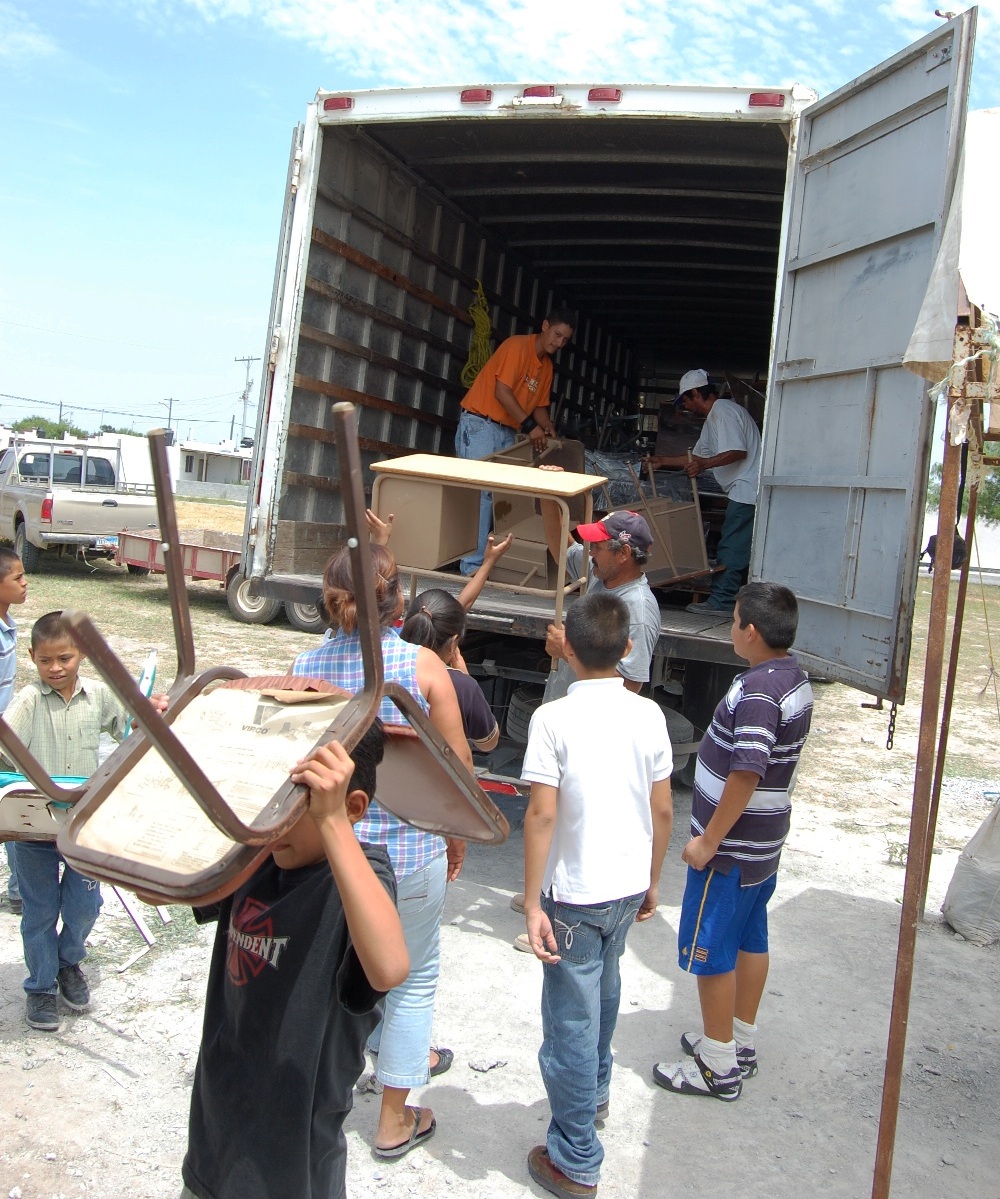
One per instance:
(140,572)
(308,618)
(522,704)
(251,609)
(29,554)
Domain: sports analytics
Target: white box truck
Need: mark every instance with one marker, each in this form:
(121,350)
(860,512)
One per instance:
(760,232)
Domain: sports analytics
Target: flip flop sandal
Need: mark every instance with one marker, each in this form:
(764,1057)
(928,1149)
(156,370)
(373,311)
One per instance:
(692,1077)
(416,1138)
(445,1058)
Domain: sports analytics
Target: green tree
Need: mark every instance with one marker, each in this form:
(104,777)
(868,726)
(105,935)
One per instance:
(47,428)
(988,504)
(124,432)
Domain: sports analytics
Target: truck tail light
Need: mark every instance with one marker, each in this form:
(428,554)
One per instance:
(544,90)
(338,103)
(477,95)
(605,95)
(767,99)
(47,509)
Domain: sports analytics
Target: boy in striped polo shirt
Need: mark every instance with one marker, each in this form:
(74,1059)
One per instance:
(740,814)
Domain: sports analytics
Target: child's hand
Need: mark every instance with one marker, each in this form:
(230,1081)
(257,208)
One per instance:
(548,466)
(495,550)
(326,772)
(648,906)
(160,702)
(379,531)
(541,938)
(456,857)
(698,852)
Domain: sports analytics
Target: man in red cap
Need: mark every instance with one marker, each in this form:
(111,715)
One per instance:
(619,546)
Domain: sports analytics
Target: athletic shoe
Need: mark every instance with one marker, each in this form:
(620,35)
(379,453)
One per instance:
(523,943)
(746,1058)
(41,1011)
(692,1077)
(16,904)
(706,608)
(73,988)
(517,903)
(602,1113)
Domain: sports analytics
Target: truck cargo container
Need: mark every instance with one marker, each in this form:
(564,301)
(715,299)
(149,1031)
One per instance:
(762,233)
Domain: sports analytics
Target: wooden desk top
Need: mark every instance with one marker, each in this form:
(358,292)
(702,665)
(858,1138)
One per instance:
(498,476)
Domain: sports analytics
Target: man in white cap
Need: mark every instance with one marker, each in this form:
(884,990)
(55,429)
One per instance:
(729,446)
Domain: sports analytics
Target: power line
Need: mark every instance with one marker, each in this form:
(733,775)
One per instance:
(133,415)
(114,341)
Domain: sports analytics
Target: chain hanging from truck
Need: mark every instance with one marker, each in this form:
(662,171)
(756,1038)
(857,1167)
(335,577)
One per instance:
(479,350)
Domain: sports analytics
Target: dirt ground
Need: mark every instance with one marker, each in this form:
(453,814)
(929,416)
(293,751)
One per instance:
(100,1108)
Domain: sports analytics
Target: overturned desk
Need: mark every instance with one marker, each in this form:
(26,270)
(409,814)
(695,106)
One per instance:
(437,520)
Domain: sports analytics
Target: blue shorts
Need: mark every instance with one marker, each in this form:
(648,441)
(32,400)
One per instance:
(719,918)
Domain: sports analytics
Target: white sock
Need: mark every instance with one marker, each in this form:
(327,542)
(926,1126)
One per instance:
(744,1034)
(719,1056)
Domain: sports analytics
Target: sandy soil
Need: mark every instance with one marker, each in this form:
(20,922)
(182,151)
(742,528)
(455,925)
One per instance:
(100,1108)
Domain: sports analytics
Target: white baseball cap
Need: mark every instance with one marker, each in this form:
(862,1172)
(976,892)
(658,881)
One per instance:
(691,380)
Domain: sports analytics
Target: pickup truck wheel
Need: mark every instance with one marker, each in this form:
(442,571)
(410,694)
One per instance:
(306,617)
(29,554)
(251,609)
(139,571)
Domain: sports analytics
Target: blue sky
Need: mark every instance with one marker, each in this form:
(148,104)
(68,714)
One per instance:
(145,144)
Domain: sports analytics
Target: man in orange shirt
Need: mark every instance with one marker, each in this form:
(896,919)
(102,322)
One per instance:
(509,396)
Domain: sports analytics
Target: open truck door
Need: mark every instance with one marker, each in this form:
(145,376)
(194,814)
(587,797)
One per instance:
(839,517)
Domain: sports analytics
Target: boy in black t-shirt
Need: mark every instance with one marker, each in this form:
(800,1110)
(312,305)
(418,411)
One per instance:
(303,953)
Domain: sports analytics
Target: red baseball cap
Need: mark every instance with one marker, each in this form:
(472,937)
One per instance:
(628,527)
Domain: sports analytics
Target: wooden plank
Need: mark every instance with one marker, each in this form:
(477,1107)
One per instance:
(391,233)
(311,333)
(362,308)
(336,392)
(292,478)
(374,267)
(328,437)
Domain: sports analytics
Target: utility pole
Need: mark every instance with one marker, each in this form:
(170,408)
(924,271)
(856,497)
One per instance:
(246,394)
(169,405)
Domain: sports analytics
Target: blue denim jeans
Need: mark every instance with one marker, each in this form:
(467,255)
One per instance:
(402,1039)
(476,437)
(48,897)
(12,888)
(580,996)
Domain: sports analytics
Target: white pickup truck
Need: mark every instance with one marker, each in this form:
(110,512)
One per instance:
(60,494)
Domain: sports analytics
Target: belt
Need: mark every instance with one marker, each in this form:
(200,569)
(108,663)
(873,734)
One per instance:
(483,416)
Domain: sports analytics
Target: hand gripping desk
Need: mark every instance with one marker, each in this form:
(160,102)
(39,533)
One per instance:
(187,805)
(436,506)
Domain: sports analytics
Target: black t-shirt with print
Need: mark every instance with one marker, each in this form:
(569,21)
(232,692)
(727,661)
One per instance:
(287,1012)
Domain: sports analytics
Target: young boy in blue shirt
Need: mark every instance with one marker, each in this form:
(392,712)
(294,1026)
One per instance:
(595,834)
(740,815)
(13,590)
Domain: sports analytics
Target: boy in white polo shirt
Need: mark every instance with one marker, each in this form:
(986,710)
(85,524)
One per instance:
(595,835)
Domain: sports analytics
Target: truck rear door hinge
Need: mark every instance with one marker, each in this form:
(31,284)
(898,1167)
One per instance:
(272,353)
